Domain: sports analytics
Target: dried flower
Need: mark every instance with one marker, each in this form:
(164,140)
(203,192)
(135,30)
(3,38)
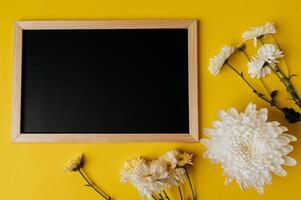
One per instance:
(184,159)
(76,164)
(265,59)
(175,158)
(129,167)
(258,32)
(145,177)
(219,60)
(248,147)
(151,177)
(170,159)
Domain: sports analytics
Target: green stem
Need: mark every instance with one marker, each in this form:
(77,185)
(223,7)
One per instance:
(257,93)
(161,197)
(180,192)
(165,194)
(190,184)
(262,82)
(90,183)
(245,53)
(154,197)
(288,71)
(265,86)
(286,82)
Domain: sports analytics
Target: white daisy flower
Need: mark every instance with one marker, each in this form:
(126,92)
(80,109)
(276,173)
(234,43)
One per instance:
(266,55)
(248,147)
(258,32)
(218,61)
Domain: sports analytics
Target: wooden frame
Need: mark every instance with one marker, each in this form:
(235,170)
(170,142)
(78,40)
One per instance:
(191,25)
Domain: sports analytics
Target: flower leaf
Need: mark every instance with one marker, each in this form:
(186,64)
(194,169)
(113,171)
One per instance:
(291,115)
(274,93)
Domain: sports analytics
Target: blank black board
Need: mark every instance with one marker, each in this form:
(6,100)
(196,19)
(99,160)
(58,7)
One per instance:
(105,81)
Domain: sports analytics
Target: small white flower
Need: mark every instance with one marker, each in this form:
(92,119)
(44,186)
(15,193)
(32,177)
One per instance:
(248,147)
(265,59)
(218,61)
(259,31)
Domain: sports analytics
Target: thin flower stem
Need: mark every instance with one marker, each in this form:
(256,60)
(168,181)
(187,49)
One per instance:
(245,53)
(286,82)
(246,81)
(90,183)
(161,197)
(262,82)
(288,70)
(265,86)
(259,94)
(154,197)
(190,184)
(166,196)
(180,192)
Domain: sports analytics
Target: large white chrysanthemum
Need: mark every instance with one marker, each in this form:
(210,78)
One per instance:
(265,59)
(218,61)
(248,147)
(259,31)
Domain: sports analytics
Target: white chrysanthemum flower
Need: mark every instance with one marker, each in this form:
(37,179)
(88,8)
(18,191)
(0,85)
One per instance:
(151,177)
(129,168)
(265,59)
(218,61)
(258,32)
(248,147)
(170,159)
(175,158)
(145,177)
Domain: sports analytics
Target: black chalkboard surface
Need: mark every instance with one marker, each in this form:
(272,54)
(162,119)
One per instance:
(99,79)
(105,81)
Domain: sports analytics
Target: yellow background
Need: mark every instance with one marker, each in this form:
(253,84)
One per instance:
(35,171)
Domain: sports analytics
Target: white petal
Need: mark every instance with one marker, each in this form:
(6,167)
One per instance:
(228,180)
(280,172)
(289,161)
(291,137)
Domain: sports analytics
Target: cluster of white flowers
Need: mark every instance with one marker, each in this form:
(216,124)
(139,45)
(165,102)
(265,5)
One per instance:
(260,65)
(151,177)
(248,147)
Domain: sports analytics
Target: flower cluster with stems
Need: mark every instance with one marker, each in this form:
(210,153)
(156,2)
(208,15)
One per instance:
(153,177)
(77,165)
(265,62)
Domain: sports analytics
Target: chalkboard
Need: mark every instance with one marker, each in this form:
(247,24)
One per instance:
(104,81)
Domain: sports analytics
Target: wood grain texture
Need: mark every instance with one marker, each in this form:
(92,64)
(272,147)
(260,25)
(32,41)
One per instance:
(104,24)
(192,136)
(16,109)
